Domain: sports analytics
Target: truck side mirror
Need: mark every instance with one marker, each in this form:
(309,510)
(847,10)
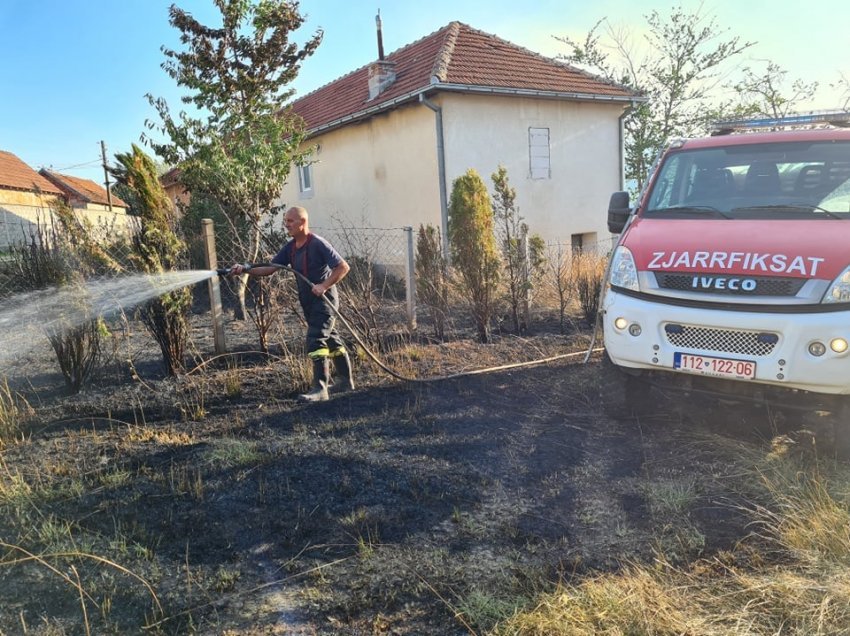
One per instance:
(618,212)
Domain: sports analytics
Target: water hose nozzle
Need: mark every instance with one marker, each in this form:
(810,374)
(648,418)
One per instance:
(228,271)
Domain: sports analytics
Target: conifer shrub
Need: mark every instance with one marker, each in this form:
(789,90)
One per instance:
(157,249)
(475,256)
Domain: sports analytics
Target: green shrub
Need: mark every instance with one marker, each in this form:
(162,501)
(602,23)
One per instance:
(475,256)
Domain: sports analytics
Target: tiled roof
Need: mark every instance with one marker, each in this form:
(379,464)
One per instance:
(171,177)
(456,57)
(16,175)
(84,188)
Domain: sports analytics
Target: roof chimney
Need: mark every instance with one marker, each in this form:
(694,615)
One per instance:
(381,72)
(380,36)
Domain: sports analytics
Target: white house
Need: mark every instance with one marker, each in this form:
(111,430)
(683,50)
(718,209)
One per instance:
(391,137)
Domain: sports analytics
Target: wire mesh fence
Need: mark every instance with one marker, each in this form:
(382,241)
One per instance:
(379,292)
(29,228)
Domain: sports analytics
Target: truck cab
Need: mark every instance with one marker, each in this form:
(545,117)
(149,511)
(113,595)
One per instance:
(732,271)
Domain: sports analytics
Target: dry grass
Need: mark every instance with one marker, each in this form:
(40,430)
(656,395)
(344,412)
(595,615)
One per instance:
(13,410)
(791,577)
(587,271)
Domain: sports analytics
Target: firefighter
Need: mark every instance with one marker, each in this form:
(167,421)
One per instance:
(317,260)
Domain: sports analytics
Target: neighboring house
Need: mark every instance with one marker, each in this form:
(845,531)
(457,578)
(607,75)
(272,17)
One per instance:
(391,137)
(25,199)
(90,201)
(173,187)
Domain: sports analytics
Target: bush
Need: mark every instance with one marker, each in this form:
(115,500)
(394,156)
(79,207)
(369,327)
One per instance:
(157,249)
(587,272)
(431,277)
(474,253)
(54,259)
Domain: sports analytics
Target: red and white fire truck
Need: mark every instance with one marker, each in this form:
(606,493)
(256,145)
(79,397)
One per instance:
(732,271)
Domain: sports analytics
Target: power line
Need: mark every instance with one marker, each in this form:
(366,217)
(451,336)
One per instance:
(79,165)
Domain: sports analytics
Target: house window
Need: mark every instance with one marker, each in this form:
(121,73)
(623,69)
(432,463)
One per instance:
(538,153)
(583,242)
(305,181)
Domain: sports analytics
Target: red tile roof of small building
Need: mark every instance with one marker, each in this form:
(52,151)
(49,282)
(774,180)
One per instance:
(455,57)
(83,188)
(16,175)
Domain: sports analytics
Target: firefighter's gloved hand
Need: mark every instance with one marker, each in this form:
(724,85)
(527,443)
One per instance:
(239,268)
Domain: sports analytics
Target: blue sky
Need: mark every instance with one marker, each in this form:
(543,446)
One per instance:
(75,72)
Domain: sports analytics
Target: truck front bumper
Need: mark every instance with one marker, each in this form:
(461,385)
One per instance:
(649,334)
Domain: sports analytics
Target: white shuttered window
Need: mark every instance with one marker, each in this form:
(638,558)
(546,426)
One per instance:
(538,153)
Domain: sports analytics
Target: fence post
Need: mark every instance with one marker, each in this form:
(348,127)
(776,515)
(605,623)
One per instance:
(212,283)
(411,280)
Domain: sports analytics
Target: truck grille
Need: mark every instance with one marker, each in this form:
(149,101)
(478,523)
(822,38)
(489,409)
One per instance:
(765,285)
(750,343)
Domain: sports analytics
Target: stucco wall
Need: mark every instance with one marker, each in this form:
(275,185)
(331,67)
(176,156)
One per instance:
(21,213)
(483,132)
(379,173)
(383,172)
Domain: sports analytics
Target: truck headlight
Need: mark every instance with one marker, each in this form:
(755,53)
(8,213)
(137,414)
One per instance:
(623,270)
(839,290)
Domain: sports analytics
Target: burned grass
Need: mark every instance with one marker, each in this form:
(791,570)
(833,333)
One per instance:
(218,505)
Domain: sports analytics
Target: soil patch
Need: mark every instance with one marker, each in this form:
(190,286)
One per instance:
(400,508)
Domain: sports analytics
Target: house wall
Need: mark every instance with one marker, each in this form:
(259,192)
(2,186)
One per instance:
(178,195)
(20,213)
(483,132)
(104,223)
(381,173)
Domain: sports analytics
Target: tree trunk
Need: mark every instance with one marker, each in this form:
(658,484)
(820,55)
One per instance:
(240,312)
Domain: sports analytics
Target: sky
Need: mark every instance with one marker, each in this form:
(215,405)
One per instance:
(76,72)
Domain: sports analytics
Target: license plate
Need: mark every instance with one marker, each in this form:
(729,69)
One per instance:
(715,367)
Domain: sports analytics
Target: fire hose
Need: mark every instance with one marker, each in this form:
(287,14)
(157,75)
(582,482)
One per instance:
(246,267)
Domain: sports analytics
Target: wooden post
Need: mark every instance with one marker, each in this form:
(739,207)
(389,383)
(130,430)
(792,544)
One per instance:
(106,175)
(215,291)
(411,280)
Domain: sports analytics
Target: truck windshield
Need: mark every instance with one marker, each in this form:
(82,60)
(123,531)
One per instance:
(788,180)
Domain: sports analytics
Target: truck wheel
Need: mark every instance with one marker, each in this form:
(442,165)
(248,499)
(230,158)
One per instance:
(841,432)
(623,394)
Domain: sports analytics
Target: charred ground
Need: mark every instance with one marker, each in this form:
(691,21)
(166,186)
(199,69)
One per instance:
(402,508)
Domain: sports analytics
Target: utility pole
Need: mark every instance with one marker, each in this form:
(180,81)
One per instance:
(106,174)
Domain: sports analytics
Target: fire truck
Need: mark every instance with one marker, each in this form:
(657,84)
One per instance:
(732,270)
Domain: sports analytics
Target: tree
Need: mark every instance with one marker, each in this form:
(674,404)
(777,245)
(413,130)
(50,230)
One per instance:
(843,85)
(764,94)
(473,247)
(510,230)
(683,64)
(157,249)
(431,280)
(239,149)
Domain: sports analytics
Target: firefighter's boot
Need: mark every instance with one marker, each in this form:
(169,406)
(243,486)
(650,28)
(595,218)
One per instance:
(344,380)
(321,378)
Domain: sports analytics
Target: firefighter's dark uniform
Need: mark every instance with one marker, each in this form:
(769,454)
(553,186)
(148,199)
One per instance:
(315,260)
